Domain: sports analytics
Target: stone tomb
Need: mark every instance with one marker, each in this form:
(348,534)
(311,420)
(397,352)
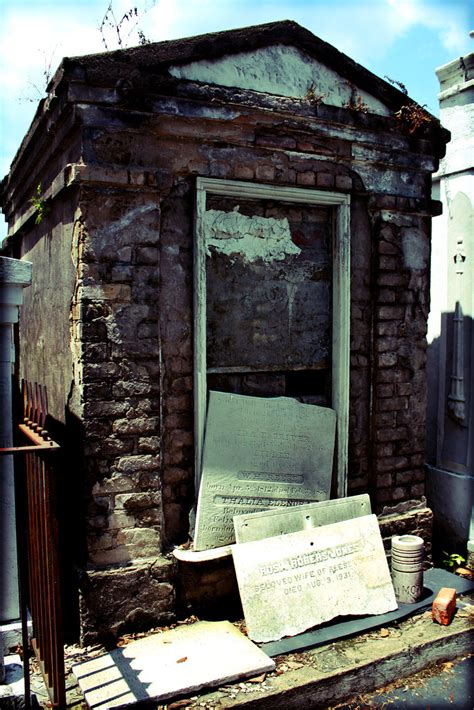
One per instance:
(269,523)
(258,454)
(292,582)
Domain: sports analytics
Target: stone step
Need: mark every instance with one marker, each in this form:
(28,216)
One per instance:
(332,673)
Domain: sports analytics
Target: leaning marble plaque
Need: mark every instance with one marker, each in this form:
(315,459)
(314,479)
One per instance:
(269,523)
(258,454)
(292,582)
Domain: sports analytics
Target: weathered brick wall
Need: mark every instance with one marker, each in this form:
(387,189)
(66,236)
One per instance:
(116,337)
(117,379)
(403,244)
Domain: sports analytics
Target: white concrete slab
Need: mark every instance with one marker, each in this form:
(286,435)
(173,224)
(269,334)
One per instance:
(260,453)
(176,662)
(269,523)
(293,582)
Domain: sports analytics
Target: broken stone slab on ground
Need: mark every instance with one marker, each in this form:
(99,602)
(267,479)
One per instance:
(172,663)
(270,523)
(258,454)
(292,582)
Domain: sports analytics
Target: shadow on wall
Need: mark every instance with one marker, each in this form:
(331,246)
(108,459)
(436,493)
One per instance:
(450,429)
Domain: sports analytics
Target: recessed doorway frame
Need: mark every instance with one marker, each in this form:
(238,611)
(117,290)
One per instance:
(340,354)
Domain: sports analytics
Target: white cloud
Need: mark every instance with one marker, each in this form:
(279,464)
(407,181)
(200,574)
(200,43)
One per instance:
(366,30)
(32,41)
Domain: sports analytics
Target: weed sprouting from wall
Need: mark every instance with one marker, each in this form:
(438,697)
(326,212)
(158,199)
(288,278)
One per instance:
(39,204)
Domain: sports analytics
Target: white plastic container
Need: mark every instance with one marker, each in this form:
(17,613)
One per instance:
(407,567)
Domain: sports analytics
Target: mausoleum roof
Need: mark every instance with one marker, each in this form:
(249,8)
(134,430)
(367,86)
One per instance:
(158,57)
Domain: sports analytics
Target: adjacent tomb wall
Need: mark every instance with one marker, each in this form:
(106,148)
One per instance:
(450,431)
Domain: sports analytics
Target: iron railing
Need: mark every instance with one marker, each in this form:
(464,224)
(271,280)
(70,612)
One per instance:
(38,544)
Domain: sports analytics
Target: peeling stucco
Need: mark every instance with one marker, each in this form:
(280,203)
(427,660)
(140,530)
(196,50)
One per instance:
(251,238)
(415,249)
(278,70)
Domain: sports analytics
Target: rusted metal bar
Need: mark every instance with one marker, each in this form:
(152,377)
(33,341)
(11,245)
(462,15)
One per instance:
(40,578)
(28,449)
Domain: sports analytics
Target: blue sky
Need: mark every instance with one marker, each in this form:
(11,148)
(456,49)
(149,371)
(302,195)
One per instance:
(403,39)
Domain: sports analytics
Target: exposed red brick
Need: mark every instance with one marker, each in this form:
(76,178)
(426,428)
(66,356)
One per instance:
(393,279)
(306,178)
(387,248)
(389,263)
(391,312)
(343,182)
(273,141)
(385,390)
(243,172)
(417,490)
(325,180)
(398,434)
(387,295)
(444,606)
(265,172)
(391,463)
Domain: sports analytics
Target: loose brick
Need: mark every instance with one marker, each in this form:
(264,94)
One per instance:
(398,434)
(390,263)
(325,180)
(385,390)
(417,490)
(388,327)
(243,172)
(391,312)
(384,450)
(392,463)
(283,142)
(392,404)
(387,248)
(387,359)
(306,178)
(387,278)
(444,606)
(387,295)
(148,444)
(343,182)
(265,172)
(142,462)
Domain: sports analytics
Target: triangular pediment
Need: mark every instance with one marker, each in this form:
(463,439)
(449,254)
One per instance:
(281,70)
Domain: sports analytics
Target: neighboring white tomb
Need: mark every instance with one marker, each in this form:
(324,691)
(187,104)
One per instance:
(292,582)
(260,453)
(450,366)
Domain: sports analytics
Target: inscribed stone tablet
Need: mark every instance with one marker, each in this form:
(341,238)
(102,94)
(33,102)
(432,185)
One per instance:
(269,523)
(160,666)
(293,582)
(258,454)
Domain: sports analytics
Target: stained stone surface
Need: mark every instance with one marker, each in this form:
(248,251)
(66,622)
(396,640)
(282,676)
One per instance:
(292,582)
(258,454)
(269,523)
(175,662)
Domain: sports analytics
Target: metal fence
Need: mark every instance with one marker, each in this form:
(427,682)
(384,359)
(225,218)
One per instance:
(38,545)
